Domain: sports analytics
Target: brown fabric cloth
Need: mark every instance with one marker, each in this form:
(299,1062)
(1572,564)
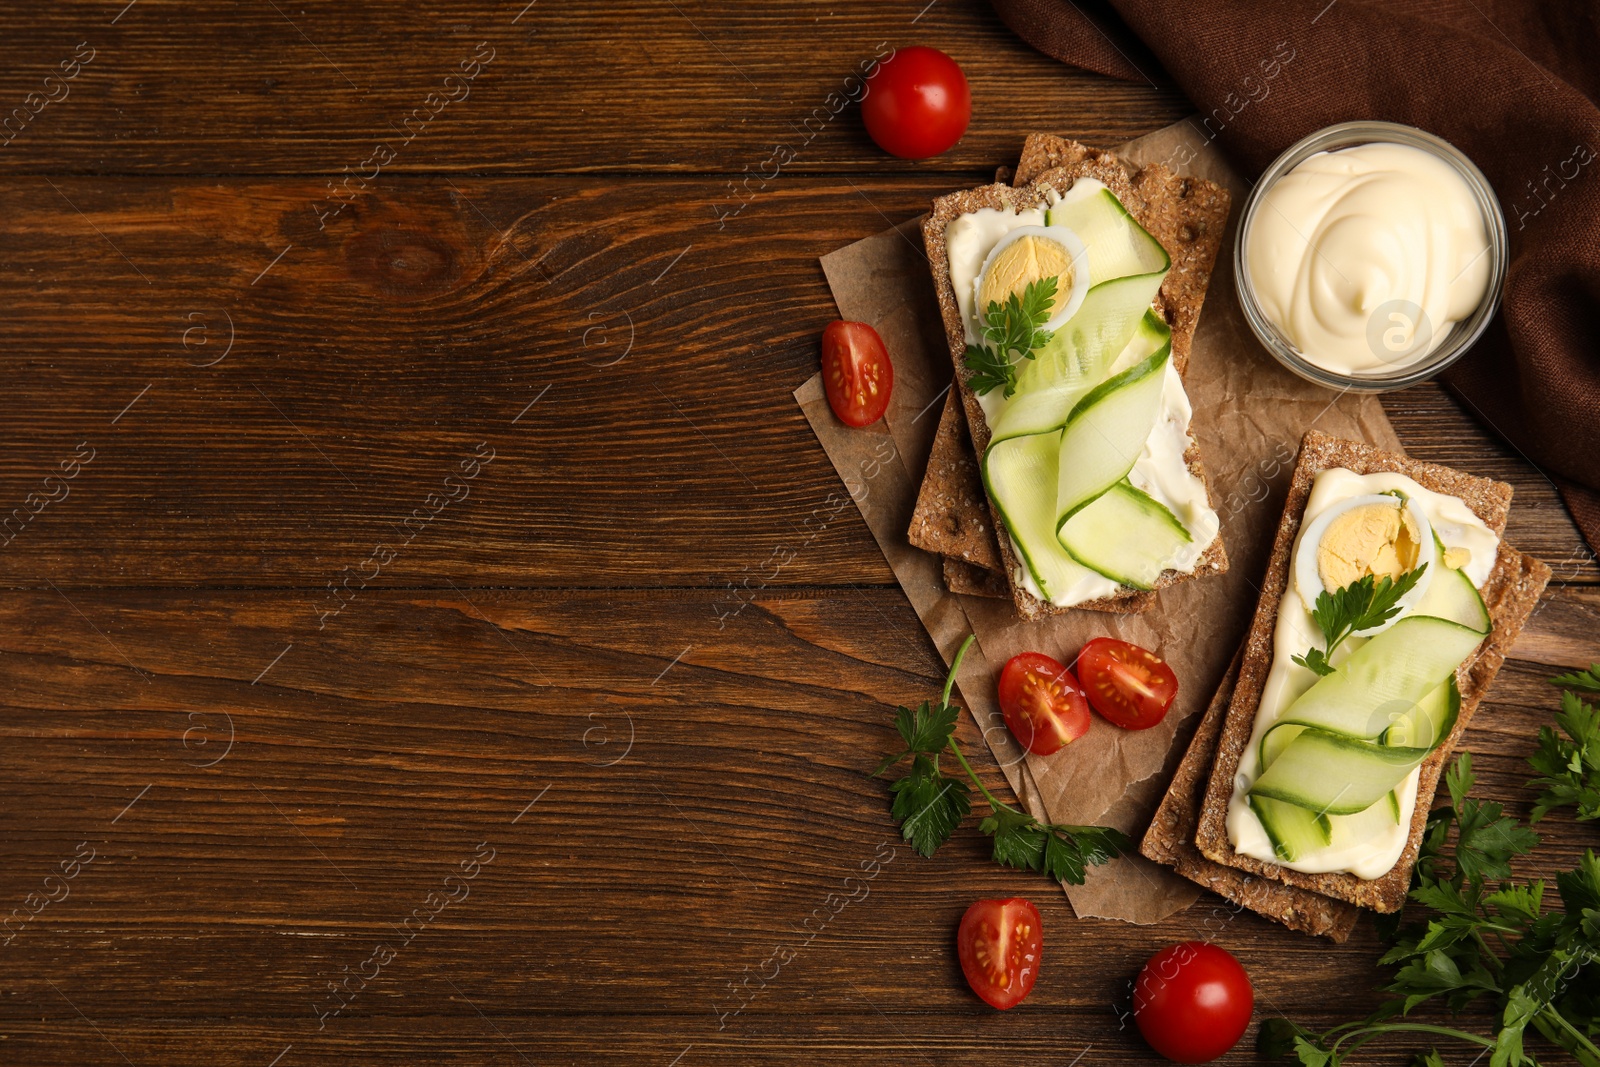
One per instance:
(1512,84)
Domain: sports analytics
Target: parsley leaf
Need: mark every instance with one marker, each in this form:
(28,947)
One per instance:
(1014,328)
(1487,842)
(930,804)
(1586,679)
(1063,852)
(1569,767)
(1018,839)
(1316,661)
(924,731)
(1277,1037)
(1361,605)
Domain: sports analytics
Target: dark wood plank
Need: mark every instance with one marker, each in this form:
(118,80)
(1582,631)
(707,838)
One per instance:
(863,1040)
(375,356)
(1436,427)
(699,791)
(658,85)
(369,359)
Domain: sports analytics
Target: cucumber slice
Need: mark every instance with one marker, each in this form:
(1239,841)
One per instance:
(1274,741)
(1043,405)
(1118,246)
(1125,534)
(1020,474)
(1394,805)
(1107,431)
(1333,775)
(1083,349)
(1385,678)
(1425,725)
(1451,595)
(1293,830)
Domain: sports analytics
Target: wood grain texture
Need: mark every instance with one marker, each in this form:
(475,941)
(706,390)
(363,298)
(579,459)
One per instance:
(655,85)
(377,754)
(284,679)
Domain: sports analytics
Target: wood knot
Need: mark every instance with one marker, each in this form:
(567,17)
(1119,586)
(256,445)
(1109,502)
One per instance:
(403,263)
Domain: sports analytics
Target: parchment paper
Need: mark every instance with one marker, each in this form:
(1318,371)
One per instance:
(1249,417)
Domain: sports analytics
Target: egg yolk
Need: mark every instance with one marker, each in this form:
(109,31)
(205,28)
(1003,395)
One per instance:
(1373,539)
(1027,259)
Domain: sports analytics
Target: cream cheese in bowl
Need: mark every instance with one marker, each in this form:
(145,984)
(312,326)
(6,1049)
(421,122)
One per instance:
(1371,255)
(1377,239)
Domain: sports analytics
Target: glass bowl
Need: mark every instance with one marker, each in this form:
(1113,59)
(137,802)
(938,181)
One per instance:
(1462,334)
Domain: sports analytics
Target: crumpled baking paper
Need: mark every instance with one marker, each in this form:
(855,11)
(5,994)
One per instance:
(1250,414)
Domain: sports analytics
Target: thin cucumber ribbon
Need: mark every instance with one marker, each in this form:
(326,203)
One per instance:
(1082,413)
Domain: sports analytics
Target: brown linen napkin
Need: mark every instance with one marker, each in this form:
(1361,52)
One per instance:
(1512,83)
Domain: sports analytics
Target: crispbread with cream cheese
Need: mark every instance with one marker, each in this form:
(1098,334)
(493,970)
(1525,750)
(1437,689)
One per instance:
(1186,216)
(1511,593)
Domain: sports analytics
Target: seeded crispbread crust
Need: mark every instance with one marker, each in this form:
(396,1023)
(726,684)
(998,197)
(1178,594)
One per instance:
(1511,594)
(1191,235)
(1170,840)
(968,580)
(951,516)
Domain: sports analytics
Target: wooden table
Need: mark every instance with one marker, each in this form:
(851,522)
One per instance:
(400,393)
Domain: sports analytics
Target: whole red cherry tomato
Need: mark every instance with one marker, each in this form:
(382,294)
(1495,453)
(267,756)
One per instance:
(856,372)
(1131,686)
(1000,944)
(1192,1002)
(917,103)
(1044,708)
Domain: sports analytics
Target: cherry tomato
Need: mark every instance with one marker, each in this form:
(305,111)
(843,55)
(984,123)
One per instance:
(917,103)
(1131,686)
(856,372)
(1192,1002)
(1043,704)
(1000,944)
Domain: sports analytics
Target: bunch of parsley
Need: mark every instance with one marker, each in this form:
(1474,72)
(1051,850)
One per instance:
(1011,330)
(1485,936)
(929,804)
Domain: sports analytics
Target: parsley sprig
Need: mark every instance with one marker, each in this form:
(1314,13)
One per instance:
(1569,767)
(1016,326)
(1588,680)
(929,804)
(1361,605)
(1482,936)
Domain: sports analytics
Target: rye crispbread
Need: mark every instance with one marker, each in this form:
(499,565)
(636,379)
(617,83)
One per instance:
(968,580)
(1511,593)
(1187,216)
(1170,840)
(951,516)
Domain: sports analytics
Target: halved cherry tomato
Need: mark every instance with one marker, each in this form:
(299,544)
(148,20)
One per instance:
(1131,686)
(856,372)
(1043,703)
(1000,944)
(1193,1002)
(917,103)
